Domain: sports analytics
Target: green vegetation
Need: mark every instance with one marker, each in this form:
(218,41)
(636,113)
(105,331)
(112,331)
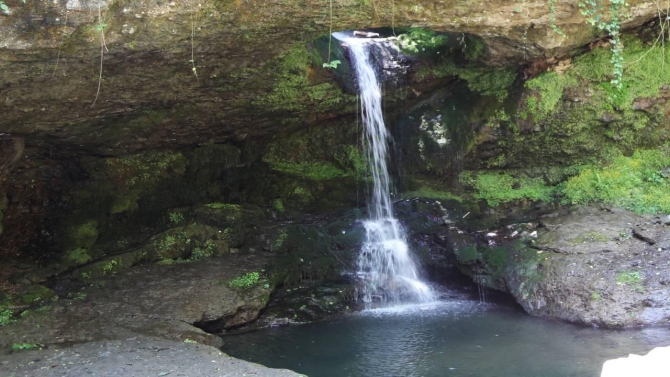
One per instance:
(498,187)
(109,267)
(485,81)
(84,235)
(590,237)
(316,156)
(610,21)
(24,346)
(549,87)
(467,254)
(595,296)
(292,90)
(629,277)
(226,206)
(640,183)
(245,281)
(6,317)
(206,251)
(77,257)
(176,217)
(632,279)
(421,41)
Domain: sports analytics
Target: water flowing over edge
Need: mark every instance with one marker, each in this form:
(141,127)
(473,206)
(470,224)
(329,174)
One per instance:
(390,276)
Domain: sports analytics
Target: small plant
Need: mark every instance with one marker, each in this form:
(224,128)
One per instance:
(3,6)
(610,21)
(625,235)
(629,278)
(190,341)
(245,281)
(6,317)
(109,266)
(176,217)
(332,64)
(23,346)
(596,296)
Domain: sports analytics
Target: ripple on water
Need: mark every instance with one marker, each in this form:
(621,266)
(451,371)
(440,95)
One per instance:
(458,337)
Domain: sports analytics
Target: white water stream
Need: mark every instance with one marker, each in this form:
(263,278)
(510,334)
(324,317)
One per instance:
(385,262)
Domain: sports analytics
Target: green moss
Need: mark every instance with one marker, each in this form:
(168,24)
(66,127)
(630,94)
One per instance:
(467,254)
(83,235)
(589,237)
(499,187)
(549,87)
(245,281)
(640,183)
(224,206)
(313,155)
(486,81)
(475,48)
(77,257)
(646,70)
(292,90)
(278,205)
(6,317)
(421,42)
(629,278)
(35,293)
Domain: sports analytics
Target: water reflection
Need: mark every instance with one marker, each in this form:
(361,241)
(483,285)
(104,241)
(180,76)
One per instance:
(457,338)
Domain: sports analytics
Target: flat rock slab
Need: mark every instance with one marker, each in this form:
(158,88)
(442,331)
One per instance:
(153,300)
(145,357)
(597,267)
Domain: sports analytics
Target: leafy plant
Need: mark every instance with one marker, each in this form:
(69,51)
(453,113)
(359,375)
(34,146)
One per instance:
(332,64)
(6,317)
(176,217)
(247,280)
(3,6)
(419,40)
(23,346)
(609,21)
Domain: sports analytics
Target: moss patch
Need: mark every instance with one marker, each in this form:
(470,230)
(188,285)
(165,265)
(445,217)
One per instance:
(500,187)
(640,183)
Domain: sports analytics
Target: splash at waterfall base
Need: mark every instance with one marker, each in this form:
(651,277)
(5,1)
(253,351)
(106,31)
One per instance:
(385,263)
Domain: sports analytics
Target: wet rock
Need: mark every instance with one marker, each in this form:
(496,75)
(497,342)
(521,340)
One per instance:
(137,356)
(584,266)
(643,235)
(304,304)
(158,300)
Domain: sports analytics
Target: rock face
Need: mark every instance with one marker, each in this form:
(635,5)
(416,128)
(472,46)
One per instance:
(591,266)
(161,301)
(177,73)
(141,356)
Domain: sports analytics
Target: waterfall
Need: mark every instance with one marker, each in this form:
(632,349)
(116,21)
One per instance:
(385,262)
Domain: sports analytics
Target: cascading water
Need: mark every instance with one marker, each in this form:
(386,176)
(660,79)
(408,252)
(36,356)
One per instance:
(389,274)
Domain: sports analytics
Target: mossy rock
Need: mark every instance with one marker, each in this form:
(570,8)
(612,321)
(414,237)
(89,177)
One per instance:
(35,293)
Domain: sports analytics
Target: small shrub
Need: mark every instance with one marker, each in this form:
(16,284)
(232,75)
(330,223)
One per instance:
(245,281)
(6,317)
(629,278)
(176,217)
(23,346)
